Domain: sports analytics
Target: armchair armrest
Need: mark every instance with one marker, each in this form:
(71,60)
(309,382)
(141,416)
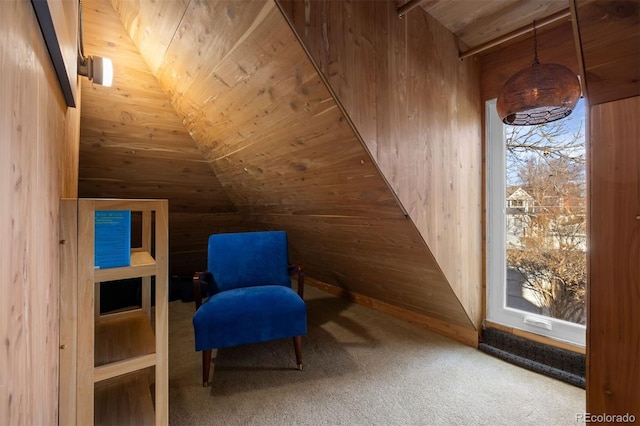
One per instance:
(300,270)
(200,278)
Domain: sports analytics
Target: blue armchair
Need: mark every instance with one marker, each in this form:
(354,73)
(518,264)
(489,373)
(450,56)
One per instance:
(250,298)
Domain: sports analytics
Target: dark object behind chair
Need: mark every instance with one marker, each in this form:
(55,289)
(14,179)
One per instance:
(250,298)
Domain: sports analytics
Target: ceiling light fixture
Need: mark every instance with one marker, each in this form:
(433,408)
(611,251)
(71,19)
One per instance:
(96,68)
(538,94)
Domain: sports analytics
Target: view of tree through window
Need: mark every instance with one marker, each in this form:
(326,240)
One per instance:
(546,218)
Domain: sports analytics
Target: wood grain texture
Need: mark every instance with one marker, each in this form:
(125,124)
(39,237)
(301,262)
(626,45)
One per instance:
(281,147)
(610,41)
(417,108)
(68,309)
(477,22)
(125,366)
(555,46)
(376,257)
(610,47)
(132,143)
(613,314)
(154,27)
(189,236)
(69,160)
(34,149)
(122,337)
(121,343)
(124,402)
(86,312)
(161,323)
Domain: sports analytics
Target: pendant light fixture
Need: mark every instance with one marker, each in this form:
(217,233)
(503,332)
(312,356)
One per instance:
(538,94)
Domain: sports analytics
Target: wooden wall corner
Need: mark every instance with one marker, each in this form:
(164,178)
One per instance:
(466,336)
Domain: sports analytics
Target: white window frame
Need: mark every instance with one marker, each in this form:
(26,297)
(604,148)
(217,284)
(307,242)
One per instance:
(497,310)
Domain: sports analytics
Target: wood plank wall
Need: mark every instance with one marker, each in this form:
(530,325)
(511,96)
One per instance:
(418,109)
(38,165)
(134,145)
(555,45)
(610,50)
(287,156)
(610,45)
(613,342)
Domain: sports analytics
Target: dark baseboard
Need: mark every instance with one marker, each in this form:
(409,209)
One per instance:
(551,361)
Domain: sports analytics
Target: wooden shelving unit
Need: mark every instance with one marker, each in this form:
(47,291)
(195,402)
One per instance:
(118,356)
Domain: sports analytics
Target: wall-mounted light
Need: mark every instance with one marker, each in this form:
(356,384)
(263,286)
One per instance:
(96,68)
(538,94)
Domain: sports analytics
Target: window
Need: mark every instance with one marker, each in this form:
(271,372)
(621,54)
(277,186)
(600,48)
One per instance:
(536,226)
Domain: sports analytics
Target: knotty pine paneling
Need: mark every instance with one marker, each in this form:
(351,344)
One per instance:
(288,157)
(613,313)
(417,107)
(131,138)
(134,145)
(38,162)
(184,198)
(154,27)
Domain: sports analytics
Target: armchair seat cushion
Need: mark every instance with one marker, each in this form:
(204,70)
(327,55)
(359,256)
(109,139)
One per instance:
(248,315)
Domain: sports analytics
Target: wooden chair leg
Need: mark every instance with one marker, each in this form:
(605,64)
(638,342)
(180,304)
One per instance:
(206,367)
(297,344)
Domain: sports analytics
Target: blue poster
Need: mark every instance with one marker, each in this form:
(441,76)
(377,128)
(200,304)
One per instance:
(112,238)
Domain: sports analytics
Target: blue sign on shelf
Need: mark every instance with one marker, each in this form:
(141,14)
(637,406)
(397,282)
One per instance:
(113,238)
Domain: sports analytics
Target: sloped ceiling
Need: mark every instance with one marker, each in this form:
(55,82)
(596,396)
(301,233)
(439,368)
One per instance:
(227,118)
(132,130)
(133,144)
(272,148)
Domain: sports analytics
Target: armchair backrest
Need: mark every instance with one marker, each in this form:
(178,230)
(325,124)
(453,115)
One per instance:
(249,259)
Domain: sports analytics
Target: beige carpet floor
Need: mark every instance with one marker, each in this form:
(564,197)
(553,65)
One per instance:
(361,367)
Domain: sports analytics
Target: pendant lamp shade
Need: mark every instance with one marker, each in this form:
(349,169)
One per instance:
(538,94)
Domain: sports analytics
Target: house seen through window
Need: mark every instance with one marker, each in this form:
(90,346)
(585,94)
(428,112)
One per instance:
(536,216)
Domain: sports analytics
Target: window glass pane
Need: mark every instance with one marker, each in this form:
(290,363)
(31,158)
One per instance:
(545,205)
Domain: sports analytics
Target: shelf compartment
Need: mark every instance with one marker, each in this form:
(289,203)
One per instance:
(120,346)
(142,265)
(124,401)
(123,343)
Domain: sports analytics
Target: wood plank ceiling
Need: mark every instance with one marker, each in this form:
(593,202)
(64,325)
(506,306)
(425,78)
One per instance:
(133,144)
(478,22)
